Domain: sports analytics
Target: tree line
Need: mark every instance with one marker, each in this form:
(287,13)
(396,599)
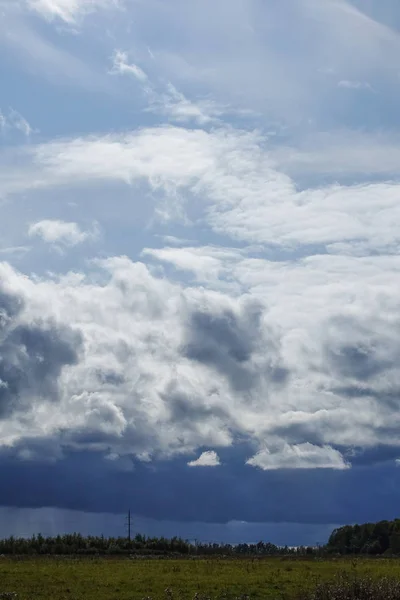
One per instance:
(77,544)
(382,538)
(374,539)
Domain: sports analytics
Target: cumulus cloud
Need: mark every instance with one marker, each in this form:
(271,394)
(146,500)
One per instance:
(53,231)
(300,456)
(113,388)
(226,340)
(298,353)
(207,459)
(33,355)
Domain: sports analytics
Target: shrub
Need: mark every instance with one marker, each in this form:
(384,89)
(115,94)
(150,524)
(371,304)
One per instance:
(346,587)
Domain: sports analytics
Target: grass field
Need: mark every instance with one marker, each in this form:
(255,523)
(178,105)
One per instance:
(123,579)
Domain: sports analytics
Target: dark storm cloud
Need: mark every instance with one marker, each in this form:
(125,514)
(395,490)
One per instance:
(359,362)
(110,378)
(227,342)
(221,334)
(183,409)
(299,433)
(389,399)
(31,357)
(52,521)
(172,491)
(10,306)
(360,351)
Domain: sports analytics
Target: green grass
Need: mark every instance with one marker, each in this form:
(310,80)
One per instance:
(123,579)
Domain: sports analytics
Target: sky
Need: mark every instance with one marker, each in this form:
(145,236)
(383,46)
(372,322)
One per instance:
(199,266)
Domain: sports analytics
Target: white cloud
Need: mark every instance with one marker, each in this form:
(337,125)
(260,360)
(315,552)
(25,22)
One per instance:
(121,66)
(68,10)
(172,240)
(355,85)
(206,459)
(298,353)
(242,71)
(341,153)
(300,456)
(20,123)
(179,109)
(3,121)
(16,250)
(207,263)
(13,120)
(240,63)
(32,51)
(127,345)
(165,99)
(53,231)
(229,177)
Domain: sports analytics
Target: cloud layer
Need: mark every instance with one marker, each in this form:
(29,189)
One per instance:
(166,368)
(235,327)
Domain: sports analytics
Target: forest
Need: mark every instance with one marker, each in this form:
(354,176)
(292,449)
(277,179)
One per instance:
(382,538)
(77,544)
(372,539)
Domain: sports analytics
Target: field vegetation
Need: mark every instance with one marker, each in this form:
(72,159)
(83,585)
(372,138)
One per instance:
(359,562)
(121,578)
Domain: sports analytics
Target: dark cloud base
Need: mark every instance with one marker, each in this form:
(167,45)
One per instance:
(173,491)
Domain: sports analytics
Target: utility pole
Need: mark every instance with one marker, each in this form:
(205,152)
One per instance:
(129,523)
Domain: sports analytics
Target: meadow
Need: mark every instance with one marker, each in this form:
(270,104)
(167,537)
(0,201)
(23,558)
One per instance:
(181,579)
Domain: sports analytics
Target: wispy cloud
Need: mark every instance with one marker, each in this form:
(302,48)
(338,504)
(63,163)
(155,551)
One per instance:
(355,85)
(122,66)
(174,105)
(234,173)
(61,232)
(15,250)
(68,10)
(343,153)
(12,120)
(33,50)
(163,98)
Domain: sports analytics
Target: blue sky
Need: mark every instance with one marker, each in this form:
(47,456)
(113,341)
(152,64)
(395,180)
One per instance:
(199,266)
